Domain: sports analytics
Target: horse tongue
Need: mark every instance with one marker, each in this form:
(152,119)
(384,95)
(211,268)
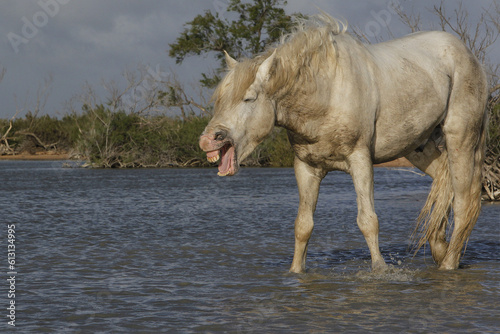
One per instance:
(226,166)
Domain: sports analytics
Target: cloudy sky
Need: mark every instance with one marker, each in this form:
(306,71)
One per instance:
(79,41)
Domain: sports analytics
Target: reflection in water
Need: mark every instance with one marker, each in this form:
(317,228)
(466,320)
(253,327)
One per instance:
(185,251)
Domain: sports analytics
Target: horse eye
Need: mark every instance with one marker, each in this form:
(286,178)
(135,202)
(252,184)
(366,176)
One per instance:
(221,135)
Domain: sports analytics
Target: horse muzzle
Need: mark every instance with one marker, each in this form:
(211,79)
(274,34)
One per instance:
(219,146)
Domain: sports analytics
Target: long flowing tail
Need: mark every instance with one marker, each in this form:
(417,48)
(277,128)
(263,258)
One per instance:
(437,208)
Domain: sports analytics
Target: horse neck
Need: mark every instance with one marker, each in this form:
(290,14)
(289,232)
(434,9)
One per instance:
(341,87)
(301,117)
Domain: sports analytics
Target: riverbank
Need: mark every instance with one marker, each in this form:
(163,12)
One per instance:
(46,156)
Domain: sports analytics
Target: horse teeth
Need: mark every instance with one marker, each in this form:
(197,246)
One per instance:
(213,159)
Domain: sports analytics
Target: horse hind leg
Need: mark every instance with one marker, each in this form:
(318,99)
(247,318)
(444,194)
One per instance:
(433,218)
(465,132)
(465,144)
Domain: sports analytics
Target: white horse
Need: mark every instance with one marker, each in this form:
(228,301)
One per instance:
(346,106)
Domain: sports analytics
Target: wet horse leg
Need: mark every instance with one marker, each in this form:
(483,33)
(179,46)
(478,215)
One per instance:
(464,130)
(308,181)
(466,181)
(361,169)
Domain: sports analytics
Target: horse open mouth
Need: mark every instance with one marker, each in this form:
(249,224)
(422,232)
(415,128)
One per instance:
(226,154)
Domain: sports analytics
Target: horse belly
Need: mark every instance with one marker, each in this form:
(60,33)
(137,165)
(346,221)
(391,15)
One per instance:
(400,131)
(409,112)
(396,144)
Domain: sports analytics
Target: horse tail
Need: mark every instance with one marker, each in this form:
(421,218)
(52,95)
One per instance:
(437,207)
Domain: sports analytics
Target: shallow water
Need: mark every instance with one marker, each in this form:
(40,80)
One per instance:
(182,250)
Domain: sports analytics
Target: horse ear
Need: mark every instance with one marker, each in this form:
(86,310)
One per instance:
(263,71)
(230,61)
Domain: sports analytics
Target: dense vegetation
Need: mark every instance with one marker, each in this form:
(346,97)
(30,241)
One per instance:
(130,140)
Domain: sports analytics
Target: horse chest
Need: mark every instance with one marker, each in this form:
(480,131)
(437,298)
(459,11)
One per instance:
(327,156)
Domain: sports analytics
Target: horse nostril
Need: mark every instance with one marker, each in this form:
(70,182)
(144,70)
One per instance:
(220,135)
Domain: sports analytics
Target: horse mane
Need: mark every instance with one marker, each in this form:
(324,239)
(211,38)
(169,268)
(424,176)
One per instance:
(314,22)
(303,53)
(300,56)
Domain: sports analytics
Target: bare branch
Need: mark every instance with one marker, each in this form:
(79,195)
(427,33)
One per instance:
(358,32)
(410,20)
(5,147)
(42,95)
(494,89)
(37,140)
(478,38)
(494,15)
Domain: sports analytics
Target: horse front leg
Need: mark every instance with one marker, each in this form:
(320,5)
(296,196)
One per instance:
(361,170)
(308,181)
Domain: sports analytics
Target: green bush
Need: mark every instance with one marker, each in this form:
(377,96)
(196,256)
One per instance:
(122,139)
(46,132)
(275,151)
(128,140)
(186,137)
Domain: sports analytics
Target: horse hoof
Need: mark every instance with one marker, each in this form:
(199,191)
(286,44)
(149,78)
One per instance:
(297,270)
(448,266)
(380,266)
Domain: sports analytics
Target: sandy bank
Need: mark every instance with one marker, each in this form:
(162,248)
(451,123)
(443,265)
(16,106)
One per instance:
(44,156)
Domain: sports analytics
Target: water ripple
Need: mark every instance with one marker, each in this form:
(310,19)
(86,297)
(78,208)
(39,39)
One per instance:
(185,251)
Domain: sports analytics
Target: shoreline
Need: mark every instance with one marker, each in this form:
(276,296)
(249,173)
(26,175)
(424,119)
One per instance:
(45,157)
(400,162)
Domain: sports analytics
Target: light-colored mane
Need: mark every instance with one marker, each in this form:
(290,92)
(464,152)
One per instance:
(300,56)
(305,52)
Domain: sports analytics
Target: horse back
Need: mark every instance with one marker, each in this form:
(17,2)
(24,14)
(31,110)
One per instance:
(415,78)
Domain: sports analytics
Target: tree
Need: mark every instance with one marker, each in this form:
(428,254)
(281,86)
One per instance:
(258,24)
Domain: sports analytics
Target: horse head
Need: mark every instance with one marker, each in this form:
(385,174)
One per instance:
(243,114)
